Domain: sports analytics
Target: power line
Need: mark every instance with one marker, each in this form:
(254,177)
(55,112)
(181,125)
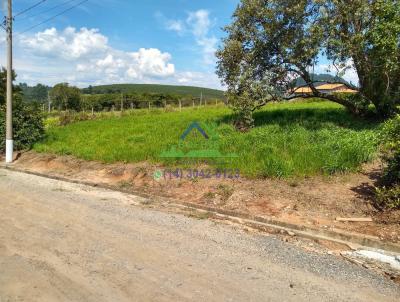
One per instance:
(53,17)
(29,8)
(48,10)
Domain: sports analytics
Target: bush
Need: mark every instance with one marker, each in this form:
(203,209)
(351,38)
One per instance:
(390,137)
(28,125)
(68,117)
(389,195)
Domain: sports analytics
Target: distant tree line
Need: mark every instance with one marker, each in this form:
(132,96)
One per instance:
(37,93)
(66,97)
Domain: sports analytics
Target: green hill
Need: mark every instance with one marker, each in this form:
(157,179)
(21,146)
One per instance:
(154,88)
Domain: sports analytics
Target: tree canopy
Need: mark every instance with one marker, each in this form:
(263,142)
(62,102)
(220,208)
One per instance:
(282,39)
(37,93)
(65,97)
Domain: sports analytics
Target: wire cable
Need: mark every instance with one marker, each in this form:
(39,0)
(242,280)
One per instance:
(47,10)
(53,17)
(29,8)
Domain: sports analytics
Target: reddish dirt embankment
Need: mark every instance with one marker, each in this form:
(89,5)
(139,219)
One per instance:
(313,201)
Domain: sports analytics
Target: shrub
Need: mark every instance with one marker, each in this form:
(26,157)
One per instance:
(28,125)
(389,195)
(68,117)
(390,137)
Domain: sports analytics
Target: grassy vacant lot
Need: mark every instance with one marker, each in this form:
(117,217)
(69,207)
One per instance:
(290,139)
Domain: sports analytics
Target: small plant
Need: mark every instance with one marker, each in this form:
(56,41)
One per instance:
(388,196)
(65,119)
(124,185)
(69,117)
(225,191)
(209,195)
(200,215)
(169,108)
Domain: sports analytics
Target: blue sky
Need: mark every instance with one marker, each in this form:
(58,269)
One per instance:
(115,41)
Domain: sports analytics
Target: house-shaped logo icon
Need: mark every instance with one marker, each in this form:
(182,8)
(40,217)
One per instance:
(194,125)
(187,149)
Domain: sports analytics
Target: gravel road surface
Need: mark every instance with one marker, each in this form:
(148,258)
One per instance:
(69,242)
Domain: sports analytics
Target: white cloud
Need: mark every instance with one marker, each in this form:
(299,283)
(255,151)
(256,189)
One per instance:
(69,44)
(198,23)
(141,65)
(198,79)
(152,62)
(84,57)
(85,54)
(175,25)
(350,74)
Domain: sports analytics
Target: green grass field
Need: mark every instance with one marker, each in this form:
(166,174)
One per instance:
(289,140)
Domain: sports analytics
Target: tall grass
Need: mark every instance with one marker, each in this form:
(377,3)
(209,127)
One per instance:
(290,139)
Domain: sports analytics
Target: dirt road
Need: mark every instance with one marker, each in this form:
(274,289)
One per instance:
(67,242)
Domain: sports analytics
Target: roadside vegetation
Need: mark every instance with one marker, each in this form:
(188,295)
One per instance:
(388,195)
(289,139)
(28,126)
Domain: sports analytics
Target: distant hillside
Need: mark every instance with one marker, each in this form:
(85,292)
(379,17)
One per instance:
(153,88)
(323,78)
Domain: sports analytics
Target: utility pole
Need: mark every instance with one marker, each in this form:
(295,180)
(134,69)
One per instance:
(9,130)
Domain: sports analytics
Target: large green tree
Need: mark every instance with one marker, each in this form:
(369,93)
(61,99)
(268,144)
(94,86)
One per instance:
(283,39)
(3,85)
(65,97)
